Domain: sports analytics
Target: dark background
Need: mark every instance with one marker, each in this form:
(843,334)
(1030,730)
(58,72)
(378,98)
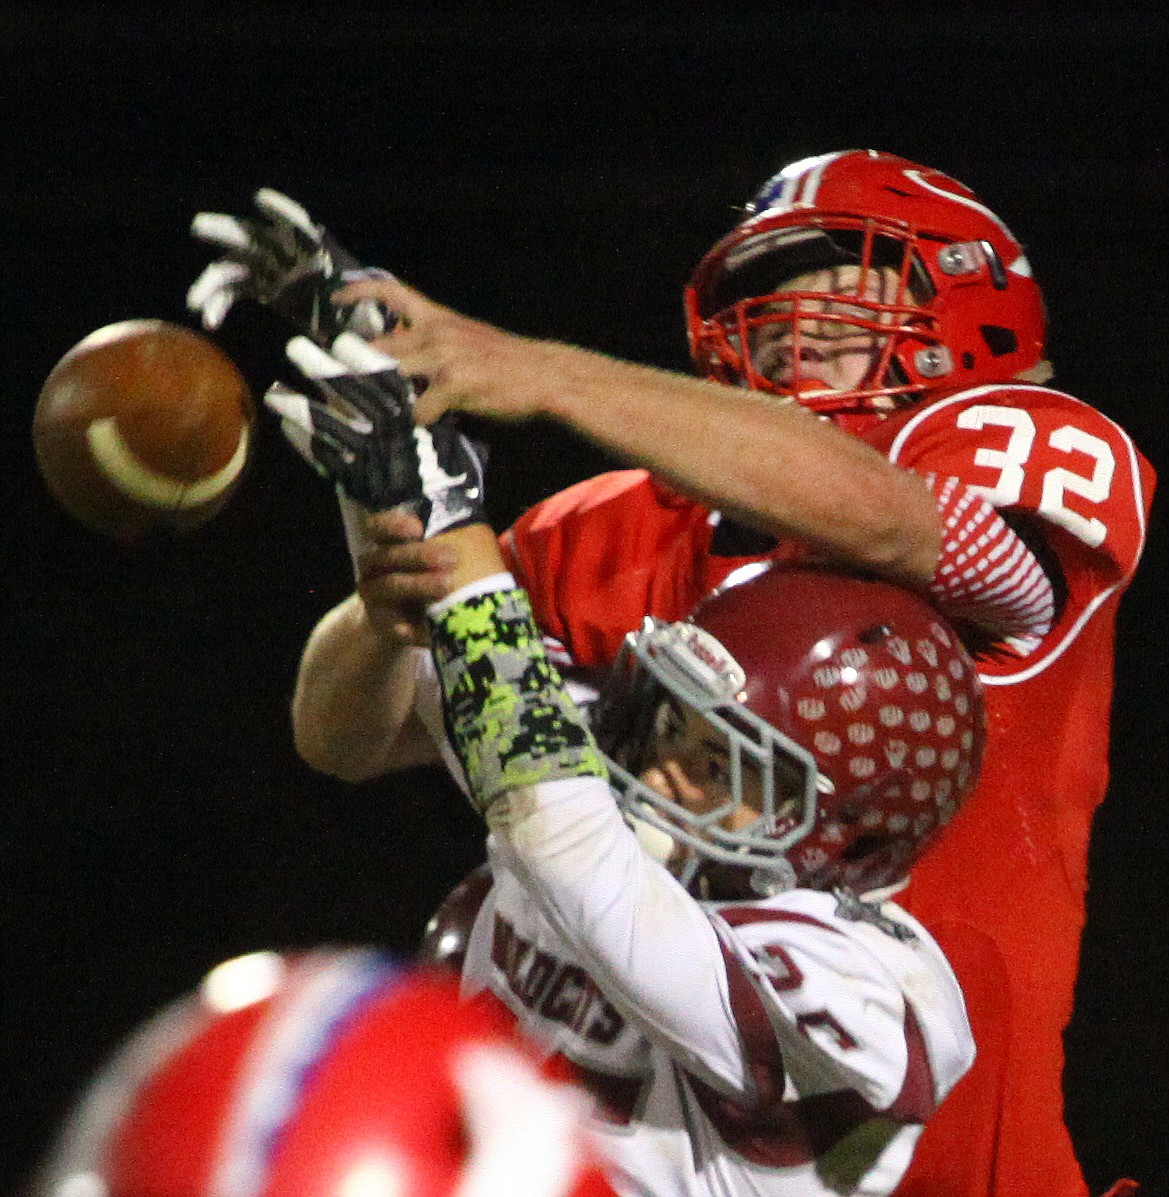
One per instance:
(558,172)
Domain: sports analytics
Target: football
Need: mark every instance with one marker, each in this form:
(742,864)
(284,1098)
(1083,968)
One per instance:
(143,428)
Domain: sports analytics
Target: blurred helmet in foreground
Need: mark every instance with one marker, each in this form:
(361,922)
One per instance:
(332,1073)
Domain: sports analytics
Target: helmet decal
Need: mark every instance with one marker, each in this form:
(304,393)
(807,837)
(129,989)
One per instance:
(797,183)
(309,1024)
(918,177)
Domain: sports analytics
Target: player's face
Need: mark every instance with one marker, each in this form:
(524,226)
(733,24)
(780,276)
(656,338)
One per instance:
(833,353)
(690,765)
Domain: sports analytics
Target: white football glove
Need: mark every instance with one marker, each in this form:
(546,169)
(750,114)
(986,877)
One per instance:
(287,262)
(356,428)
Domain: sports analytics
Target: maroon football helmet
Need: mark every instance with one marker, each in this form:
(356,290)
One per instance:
(964,311)
(333,1073)
(851,694)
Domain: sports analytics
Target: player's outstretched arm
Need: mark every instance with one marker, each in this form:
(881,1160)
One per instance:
(772,465)
(352,706)
(352,709)
(537,776)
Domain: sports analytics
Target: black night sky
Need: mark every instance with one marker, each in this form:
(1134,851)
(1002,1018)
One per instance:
(558,170)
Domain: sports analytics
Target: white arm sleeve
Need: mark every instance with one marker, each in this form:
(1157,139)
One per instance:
(646,942)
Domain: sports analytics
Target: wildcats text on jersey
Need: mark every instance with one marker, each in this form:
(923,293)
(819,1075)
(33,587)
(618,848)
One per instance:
(558,990)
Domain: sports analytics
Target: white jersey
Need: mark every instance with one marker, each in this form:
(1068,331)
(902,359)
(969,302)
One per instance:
(771,1047)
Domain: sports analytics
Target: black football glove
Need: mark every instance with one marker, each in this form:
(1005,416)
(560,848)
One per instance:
(356,428)
(287,262)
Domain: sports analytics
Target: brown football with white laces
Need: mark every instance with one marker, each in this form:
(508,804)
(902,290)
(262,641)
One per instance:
(142,428)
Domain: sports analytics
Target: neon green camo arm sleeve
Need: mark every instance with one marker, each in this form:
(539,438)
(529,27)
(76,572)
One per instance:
(507,711)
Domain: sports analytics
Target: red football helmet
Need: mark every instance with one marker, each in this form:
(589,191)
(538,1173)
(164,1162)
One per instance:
(850,693)
(964,310)
(333,1073)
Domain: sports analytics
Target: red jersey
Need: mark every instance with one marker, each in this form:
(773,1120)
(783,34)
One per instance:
(599,556)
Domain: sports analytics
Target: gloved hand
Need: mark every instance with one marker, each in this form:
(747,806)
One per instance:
(287,262)
(356,428)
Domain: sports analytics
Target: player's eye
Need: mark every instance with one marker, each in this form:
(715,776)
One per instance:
(716,770)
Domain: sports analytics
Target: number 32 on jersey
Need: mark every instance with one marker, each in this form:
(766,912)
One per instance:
(1089,474)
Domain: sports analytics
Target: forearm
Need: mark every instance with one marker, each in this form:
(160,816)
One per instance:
(770,464)
(351,710)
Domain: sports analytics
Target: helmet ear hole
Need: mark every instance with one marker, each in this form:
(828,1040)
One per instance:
(875,634)
(999,340)
(862,846)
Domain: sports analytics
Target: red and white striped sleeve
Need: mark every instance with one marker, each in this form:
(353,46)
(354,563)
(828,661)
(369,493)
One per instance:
(1043,457)
(985,573)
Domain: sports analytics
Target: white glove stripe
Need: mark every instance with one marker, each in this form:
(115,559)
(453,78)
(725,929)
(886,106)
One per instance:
(360,356)
(290,406)
(217,306)
(313,361)
(218,276)
(224,230)
(279,206)
(300,440)
(303,436)
(435,480)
